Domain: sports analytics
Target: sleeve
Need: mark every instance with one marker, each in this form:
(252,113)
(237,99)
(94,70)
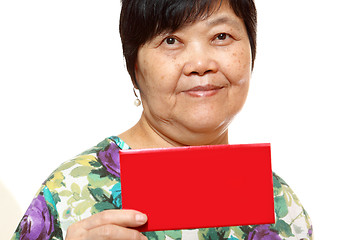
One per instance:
(41,220)
(77,189)
(292,220)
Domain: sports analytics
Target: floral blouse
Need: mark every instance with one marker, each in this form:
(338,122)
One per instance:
(90,183)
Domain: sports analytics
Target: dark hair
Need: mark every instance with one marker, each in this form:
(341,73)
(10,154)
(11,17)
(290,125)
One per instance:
(141,20)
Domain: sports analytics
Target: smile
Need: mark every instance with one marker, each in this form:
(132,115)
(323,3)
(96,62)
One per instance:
(203,91)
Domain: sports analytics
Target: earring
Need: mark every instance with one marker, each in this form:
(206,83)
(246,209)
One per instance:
(137,101)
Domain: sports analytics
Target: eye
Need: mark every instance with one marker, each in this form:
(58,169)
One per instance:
(222,36)
(222,39)
(170,40)
(171,43)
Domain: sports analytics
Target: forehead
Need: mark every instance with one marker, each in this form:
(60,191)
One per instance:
(221,15)
(170,15)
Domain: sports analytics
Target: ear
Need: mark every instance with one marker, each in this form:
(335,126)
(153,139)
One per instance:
(133,78)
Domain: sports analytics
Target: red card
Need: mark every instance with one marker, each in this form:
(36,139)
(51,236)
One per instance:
(199,186)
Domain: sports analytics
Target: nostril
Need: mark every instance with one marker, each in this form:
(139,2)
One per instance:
(200,73)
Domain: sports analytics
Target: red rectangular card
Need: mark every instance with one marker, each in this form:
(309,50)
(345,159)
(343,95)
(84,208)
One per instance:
(199,186)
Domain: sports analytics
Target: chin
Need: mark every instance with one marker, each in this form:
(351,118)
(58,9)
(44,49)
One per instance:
(200,137)
(209,121)
(209,127)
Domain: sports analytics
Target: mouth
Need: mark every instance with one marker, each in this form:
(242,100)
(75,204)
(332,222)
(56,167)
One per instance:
(203,90)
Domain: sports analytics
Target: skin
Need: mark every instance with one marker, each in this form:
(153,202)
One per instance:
(192,83)
(110,224)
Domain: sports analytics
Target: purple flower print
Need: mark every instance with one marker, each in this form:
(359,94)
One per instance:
(110,159)
(37,222)
(263,232)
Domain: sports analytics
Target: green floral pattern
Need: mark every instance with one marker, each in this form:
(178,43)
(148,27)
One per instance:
(90,183)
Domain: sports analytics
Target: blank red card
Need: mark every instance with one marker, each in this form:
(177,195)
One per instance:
(199,186)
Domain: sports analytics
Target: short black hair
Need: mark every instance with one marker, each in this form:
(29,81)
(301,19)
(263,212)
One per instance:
(141,20)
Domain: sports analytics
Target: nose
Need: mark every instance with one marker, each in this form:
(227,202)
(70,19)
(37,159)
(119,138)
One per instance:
(200,60)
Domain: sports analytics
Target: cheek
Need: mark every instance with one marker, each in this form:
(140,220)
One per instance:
(238,67)
(158,78)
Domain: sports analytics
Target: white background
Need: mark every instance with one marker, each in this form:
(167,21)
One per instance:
(64,88)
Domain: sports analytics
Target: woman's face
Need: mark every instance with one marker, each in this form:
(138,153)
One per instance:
(196,79)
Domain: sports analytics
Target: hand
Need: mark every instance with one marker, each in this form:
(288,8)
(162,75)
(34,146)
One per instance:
(108,225)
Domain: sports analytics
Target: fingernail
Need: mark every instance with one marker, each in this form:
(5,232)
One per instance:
(141,218)
(143,237)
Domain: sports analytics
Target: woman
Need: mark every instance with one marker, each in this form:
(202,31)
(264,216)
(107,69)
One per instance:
(191,62)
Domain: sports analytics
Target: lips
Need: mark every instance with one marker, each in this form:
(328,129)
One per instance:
(203,90)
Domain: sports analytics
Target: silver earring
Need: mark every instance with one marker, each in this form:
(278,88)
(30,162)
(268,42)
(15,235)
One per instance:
(137,101)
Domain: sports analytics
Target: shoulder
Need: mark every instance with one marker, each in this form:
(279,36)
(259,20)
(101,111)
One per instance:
(78,188)
(291,217)
(104,156)
(100,161)
(87,184)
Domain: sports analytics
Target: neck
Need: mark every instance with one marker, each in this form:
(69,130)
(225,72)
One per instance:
(144,135)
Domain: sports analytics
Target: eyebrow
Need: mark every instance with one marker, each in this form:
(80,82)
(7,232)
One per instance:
(223,19)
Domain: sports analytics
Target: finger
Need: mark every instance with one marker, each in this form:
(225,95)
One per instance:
(114,232)
(119,217)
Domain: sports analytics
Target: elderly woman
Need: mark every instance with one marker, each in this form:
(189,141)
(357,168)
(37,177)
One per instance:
(191,61)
